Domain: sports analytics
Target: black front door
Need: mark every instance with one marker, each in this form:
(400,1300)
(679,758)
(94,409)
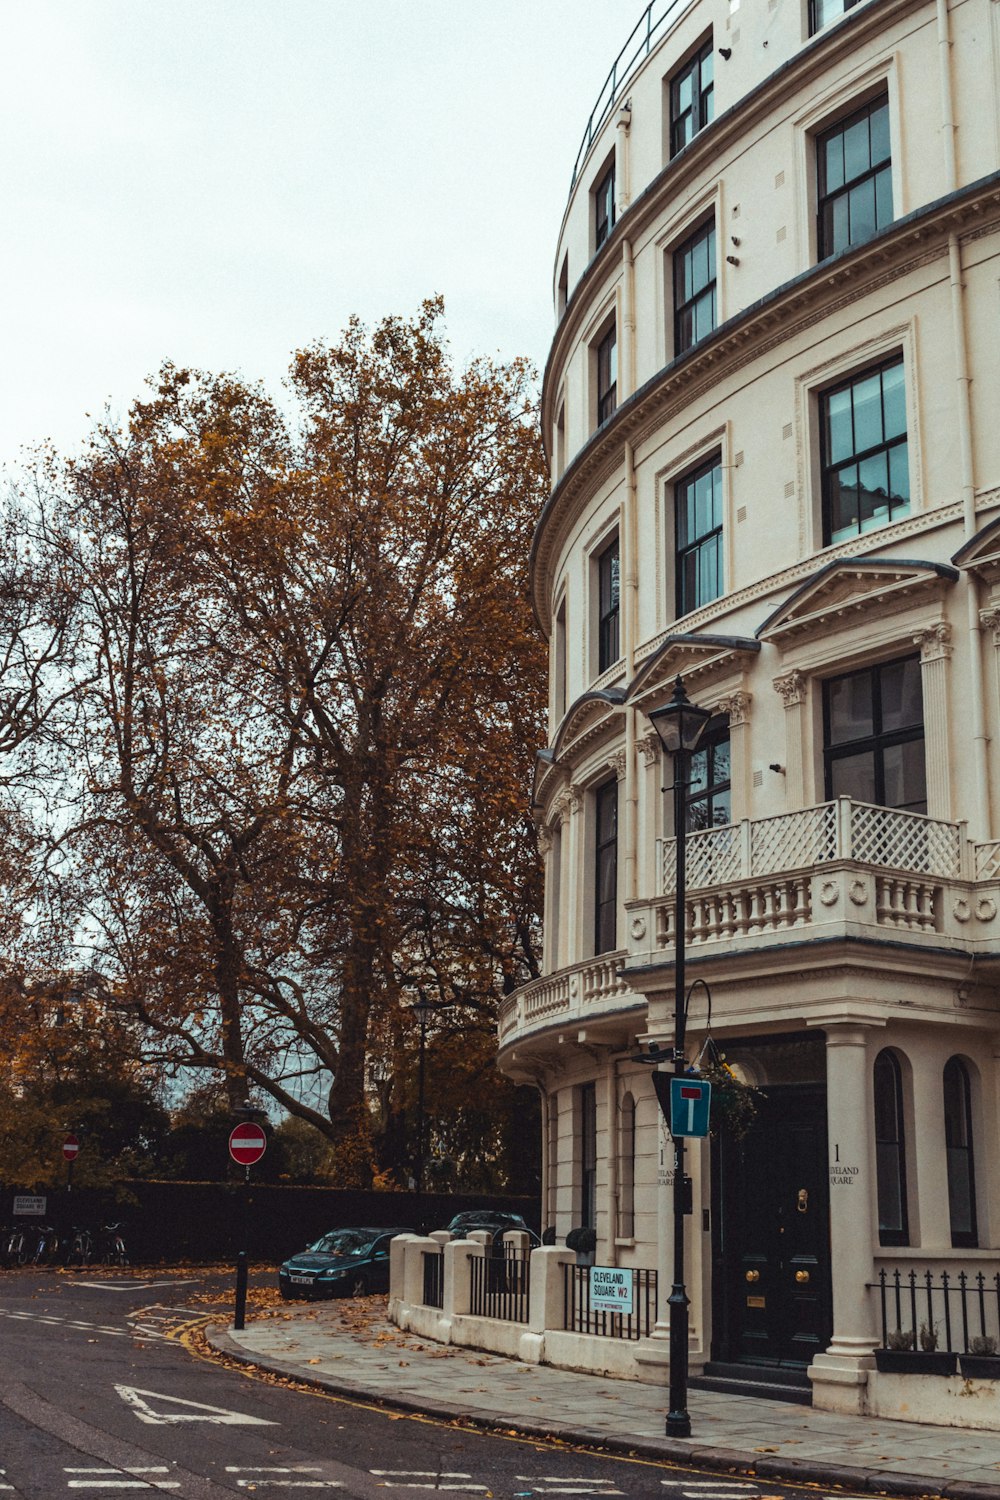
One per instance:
(771,1247)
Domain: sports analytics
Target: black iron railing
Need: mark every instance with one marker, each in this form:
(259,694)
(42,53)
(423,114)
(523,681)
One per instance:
(647,31)
(500,1285)
(433,1278)
(958,1306)
(580,1317)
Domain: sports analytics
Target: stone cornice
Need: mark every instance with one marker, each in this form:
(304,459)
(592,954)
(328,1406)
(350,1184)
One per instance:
(780,316)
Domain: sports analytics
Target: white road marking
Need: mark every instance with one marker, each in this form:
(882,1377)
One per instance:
(2,1485)
(712,1489)
(427,1479)
(257,1482)
(128,1285)
(194,1411)
(57,1322)
(559,1484)
(128,1478)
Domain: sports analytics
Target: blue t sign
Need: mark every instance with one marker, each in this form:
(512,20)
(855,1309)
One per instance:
(690,1099)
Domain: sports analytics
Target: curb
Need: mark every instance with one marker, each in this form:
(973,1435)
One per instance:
(723,1460)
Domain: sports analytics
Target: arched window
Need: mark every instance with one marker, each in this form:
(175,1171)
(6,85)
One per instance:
(626,1177)
(958,1145)
(890,1151)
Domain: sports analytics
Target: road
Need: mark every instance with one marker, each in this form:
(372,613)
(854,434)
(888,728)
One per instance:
(97,1399)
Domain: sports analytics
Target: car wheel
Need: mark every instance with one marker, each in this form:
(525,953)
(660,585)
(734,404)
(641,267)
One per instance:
(358,1286)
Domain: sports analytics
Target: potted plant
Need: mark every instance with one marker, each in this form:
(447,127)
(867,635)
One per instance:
(982,1361)
(734,1102)
(902,1357)
(584,1241)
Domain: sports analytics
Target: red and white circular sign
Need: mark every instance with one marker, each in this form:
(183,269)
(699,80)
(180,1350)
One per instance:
(247,1144)
(71,1148)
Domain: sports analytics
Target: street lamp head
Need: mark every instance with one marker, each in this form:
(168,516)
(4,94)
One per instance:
(423,1010)
(680,723)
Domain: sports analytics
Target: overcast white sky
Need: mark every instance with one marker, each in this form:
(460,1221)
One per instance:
(222,181)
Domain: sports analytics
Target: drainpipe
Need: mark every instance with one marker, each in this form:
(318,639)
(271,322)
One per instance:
(630,529)
(626,372)
(614,1186)
(623,164)
(981,820)
(947,101)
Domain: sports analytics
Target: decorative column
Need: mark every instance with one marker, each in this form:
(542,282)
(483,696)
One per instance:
(647,873)
(989,619)
(567,803)
(737,706)
(840,1376)
(934,653)
(618,762)
(548,848)
(791,688)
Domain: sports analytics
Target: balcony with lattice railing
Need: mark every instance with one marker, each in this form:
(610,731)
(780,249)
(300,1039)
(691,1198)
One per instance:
(842,862)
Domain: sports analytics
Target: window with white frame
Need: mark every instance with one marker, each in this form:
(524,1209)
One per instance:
(698,536)
(890,1151)
(607,374)
(604,206)
(873,722)
(692,97)
(606,867)
(694,288)
(958,1148)
(864,452)
(588,1155)
(822,12)
(854,178)
(608,606)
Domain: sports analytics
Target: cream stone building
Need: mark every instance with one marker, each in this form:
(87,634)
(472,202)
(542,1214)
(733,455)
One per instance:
(771,407)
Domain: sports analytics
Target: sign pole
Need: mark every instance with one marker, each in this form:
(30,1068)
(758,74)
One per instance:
(678,1418)
(247,1144)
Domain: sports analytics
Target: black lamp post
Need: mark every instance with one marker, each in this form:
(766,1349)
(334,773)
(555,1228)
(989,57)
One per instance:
(680,725)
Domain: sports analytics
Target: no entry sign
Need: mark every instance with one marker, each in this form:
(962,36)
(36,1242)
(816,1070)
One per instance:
(247,1144)
(71,1148)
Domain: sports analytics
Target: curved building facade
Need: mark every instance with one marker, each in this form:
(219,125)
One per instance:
(771,413)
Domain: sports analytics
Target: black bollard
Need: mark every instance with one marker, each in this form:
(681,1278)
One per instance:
(239,1321)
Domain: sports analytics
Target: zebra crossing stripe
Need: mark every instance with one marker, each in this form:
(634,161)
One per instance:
(559,1484)
(427,1479)
(261,1472)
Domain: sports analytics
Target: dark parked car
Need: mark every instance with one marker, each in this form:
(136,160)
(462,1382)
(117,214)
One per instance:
(492,1221)
(344,1263)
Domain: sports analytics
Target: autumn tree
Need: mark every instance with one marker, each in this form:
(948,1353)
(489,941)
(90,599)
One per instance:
(308,700)
(73,1064)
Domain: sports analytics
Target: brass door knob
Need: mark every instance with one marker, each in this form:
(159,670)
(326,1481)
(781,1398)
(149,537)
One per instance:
(802,1276)
(753,1276)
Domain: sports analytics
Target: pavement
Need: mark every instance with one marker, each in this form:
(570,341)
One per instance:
(351,1349)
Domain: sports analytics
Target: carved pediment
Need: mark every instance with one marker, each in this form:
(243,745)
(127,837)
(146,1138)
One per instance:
(701,660)
(589,716)
(981,555)
(851,588)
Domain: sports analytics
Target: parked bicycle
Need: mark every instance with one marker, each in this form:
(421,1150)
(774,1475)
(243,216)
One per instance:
(111,1245)
(79,1247)
(16,1248)
(45,1247)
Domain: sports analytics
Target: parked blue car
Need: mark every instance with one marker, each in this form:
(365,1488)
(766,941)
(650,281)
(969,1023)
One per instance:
(344,1263)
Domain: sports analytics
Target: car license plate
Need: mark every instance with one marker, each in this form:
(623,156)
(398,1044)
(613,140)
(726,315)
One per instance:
(302,1280)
